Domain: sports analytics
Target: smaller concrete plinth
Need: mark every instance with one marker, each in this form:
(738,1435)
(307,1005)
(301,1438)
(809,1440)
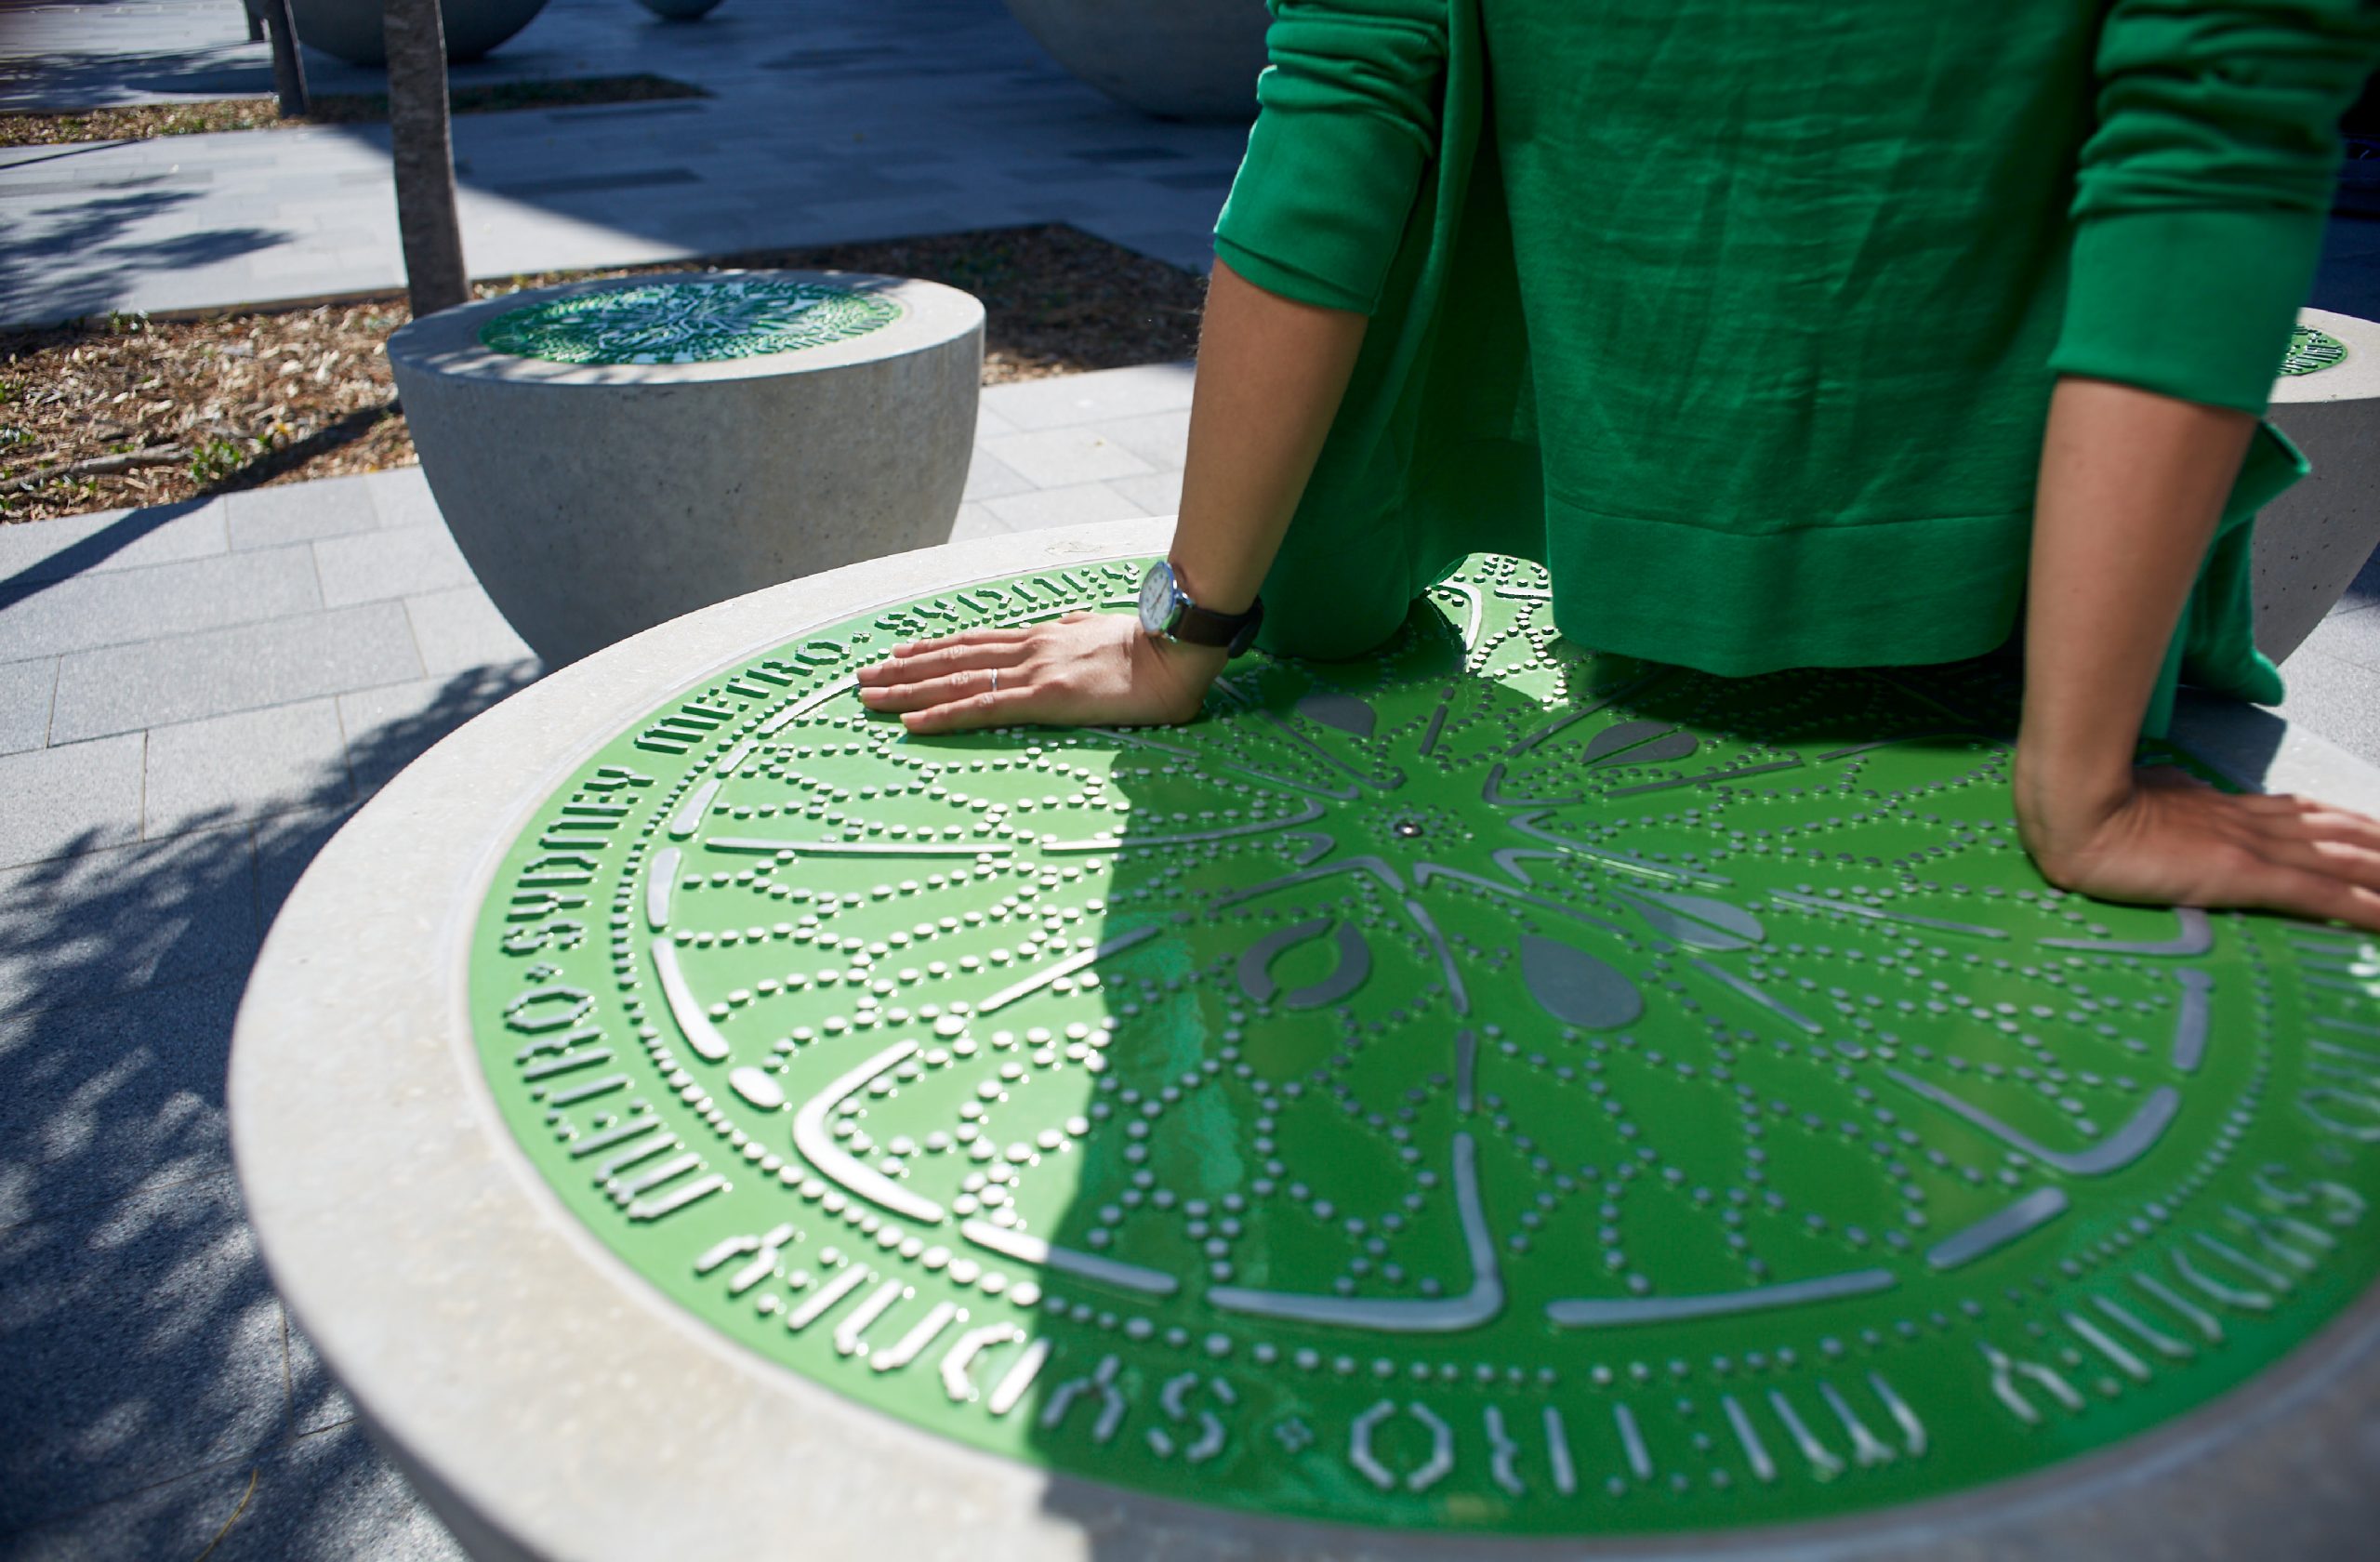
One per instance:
(1173,58)
(2312,540)
(612,454)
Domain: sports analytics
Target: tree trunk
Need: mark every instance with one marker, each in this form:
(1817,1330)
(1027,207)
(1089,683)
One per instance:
(289,71)
(416,37)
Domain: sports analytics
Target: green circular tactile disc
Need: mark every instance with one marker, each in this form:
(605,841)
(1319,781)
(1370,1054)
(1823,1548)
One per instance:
(2311,351)
(707,320)
(1485,1088)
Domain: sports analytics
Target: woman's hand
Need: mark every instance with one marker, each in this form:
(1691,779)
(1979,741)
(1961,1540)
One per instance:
(1083,670)
(2171,840)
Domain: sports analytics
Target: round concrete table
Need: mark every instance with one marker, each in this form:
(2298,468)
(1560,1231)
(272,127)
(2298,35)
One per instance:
(610,454)
(2311,541)
(449,1188)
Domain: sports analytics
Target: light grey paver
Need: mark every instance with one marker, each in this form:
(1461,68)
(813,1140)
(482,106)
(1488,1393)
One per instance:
(1059,458)
(27,690)
(988,477)
(371,565)
(974,521)
(114,1098)
(124,688)
(401,497)
(32,552)
(300,513)
(2352,635)
(76,798)
(387,726)
(77,928)
(459,629)
(1162,438)
(113,607)
(1063,507)
(2335,698)
(1113,393)
(143,1336)
(243,766)
(1158,494)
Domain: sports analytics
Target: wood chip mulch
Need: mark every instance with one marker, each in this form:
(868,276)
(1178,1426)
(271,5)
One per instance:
(129,410)
(140,122)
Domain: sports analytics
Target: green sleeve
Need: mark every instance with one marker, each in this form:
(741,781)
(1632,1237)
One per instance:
(1347,122)
(2202,193)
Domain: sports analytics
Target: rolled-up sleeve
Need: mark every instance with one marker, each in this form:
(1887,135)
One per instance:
(1347,124)
(2201,192)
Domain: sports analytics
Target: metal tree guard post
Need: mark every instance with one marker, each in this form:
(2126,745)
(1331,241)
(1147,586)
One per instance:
(289,71)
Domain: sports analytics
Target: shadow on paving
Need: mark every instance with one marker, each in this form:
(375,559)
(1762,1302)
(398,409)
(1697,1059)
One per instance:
(153,1373)
(90,236)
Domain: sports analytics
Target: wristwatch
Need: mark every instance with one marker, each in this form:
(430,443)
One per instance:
(1166,610)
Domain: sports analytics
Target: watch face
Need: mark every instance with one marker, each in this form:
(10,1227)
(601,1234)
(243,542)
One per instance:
(1157,598)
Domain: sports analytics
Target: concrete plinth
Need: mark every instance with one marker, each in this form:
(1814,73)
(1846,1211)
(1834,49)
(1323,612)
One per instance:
(716,434)
(2311,541)
(554,1394)
(1173,58)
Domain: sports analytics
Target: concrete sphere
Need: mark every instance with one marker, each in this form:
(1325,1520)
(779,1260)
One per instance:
(2312,540)
(679,10)
(351,29)
(1173,58)
(595,500)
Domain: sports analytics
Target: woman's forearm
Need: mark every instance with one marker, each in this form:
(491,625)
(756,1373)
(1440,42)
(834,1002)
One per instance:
(1271,374)
(2132,484)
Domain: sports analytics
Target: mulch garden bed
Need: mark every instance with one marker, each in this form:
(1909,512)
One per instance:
(139,122)
(129,410)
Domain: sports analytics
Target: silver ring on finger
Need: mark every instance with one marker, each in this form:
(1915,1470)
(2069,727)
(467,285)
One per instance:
(996,680)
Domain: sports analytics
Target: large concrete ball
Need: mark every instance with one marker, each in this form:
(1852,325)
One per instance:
(351,29)
(1173,58)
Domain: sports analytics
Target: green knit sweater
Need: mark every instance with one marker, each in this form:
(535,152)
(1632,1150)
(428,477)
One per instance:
(1742,316)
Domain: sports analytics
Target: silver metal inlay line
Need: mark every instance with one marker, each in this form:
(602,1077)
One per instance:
(1606,1313)
(1758,995)
(816,1142)
(1998,1229)
(1066,967)
(2119,1149)
(690,817)
(1479,1306)
(1027,1249)
(684,1007)
(2196,938)
(660,882)
(2191,1025)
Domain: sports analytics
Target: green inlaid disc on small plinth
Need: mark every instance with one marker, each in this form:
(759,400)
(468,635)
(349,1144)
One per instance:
(705,321)
(1486,1088)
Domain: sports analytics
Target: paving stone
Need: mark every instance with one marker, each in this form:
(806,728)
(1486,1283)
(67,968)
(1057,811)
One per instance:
(1158,494)
(1162,438)
(401,497)
(76,929)
(109,539)
(300,512)
(175,1517)
(120,606)
(988,477)
(390,563)
(1059,457)
(126,687)
(286,847)
(1063,399)
(459,629)
(974,520)
(2337,699)
(2351,636)
(1063,507)
(243,766)
(26,691)
(331,1494)
(75,797)
(143,1342)
(116,1098)
(387,727)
